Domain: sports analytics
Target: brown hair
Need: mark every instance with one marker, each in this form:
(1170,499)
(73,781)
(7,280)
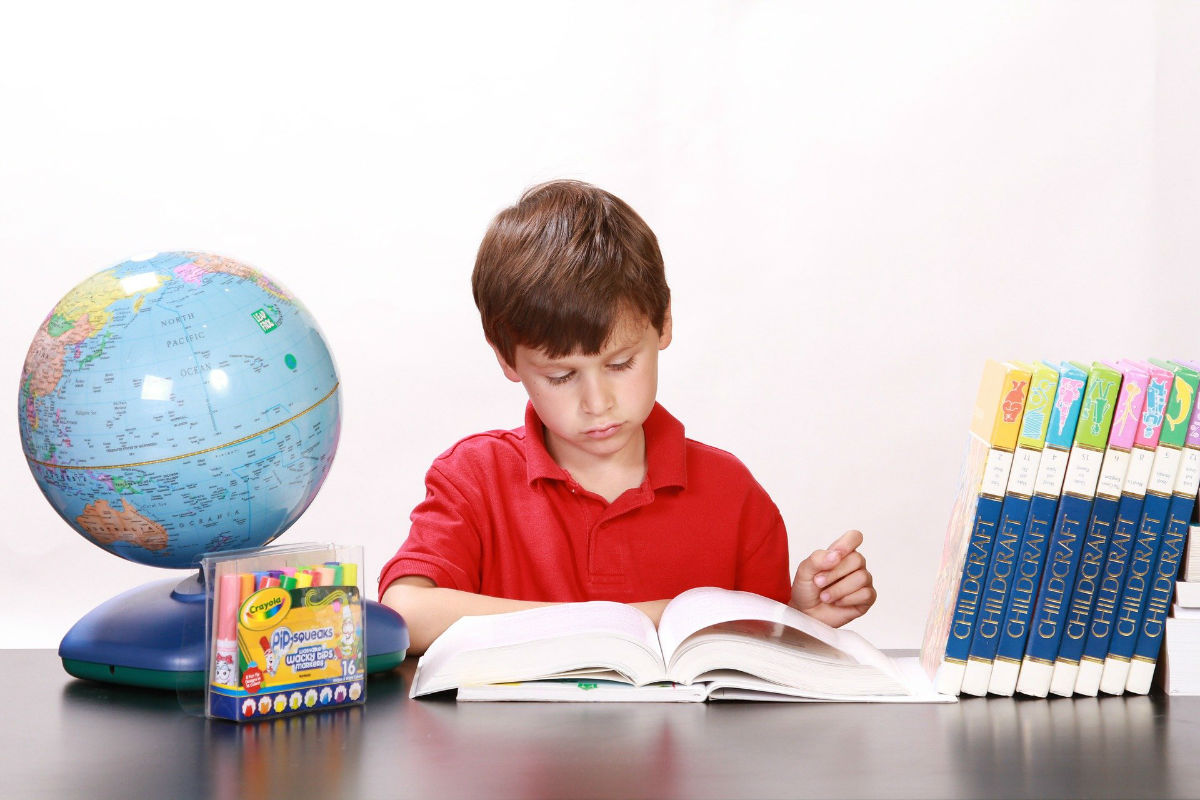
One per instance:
(556,271)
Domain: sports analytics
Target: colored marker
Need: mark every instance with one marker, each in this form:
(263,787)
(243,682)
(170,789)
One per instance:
(228,591)
(246,587)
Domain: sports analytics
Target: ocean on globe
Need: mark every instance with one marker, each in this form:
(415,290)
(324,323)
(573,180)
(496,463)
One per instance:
(178,405)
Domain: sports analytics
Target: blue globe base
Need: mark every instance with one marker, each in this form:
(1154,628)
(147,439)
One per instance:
(153,637)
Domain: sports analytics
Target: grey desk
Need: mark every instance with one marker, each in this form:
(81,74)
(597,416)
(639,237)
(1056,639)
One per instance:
(67,738)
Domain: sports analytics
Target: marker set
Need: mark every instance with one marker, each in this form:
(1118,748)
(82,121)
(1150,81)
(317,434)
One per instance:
(285,631)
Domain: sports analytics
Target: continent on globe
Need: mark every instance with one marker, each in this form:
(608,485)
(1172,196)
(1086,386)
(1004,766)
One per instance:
(108,526)
(78,317)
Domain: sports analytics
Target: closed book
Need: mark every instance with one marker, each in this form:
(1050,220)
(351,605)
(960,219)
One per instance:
(1187,593)
(1022,479)
(1129,514)
(1181,656)
(1070,526)
(1130,403)
(1155,508)
(1170,552)
(996,421)
(1031,552)
(1191,559)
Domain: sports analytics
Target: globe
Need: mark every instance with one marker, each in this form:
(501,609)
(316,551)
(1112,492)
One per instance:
(178,405)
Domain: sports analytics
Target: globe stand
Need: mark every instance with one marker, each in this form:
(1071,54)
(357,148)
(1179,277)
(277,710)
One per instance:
(153,636)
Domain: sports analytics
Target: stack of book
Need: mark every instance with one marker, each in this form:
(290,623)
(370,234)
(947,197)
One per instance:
(1181,642)
(1071,519)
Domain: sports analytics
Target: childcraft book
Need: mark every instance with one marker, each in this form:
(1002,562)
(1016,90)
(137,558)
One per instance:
(715,643)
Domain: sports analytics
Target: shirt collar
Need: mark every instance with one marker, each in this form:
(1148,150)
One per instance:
(665,450)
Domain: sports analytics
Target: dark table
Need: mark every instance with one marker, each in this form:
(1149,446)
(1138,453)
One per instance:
(68,738)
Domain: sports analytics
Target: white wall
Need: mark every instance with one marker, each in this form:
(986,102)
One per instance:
(858,204)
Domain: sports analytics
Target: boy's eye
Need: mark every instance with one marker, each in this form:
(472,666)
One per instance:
(623,365)
(558,380)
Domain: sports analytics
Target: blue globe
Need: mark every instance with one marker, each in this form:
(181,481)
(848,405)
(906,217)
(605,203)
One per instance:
(178,405)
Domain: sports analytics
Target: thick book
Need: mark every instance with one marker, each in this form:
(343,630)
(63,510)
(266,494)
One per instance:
(1163,474)
(1129,514)
(995,423)
(714,638)
(1181,653)
(1068,400)
(1170,553)
(1035,422)
(1130,403)
(1074,513)
(1187,593)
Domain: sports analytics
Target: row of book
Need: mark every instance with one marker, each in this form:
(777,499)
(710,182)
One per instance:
(1072,515)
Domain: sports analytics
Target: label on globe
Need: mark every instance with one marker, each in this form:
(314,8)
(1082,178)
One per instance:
(286,631)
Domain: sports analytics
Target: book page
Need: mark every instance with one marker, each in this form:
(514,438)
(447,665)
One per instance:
(541,642)
(739,686)
(697,609)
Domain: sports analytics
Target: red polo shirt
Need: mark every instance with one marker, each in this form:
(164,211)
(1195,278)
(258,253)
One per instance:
(501,518)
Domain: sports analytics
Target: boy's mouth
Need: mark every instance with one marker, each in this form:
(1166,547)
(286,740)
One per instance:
(603,432)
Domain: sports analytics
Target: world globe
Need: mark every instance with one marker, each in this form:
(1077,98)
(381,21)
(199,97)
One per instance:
(178,405)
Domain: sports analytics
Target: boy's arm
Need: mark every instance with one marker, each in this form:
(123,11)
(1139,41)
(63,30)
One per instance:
(429,610)
(833,584)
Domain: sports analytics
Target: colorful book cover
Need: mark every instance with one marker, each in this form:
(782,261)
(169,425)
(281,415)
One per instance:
(1129,514)
(1135,593)
(995,424)
(1031,553)
(1070,525)
(1035,422)
(1170,552)
(1130,403)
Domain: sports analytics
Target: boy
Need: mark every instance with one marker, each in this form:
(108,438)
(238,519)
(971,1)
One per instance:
(599,496)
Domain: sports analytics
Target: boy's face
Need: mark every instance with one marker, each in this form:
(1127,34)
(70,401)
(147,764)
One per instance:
(593,406)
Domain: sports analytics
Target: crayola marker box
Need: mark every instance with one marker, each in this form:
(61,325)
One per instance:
(285,631)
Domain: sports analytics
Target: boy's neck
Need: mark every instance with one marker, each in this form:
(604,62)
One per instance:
(608,476)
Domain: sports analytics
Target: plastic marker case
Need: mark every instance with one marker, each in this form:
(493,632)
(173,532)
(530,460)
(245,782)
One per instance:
(285,631)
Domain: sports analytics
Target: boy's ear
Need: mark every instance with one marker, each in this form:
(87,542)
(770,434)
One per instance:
(509,372)
(664,338)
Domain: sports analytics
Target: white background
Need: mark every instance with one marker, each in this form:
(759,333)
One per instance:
(857,202)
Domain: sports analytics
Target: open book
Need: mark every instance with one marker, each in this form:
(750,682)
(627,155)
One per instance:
(710,643)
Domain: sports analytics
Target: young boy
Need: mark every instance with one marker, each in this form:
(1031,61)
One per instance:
(599,496)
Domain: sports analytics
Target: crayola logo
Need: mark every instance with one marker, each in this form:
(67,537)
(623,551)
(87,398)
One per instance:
(265,608)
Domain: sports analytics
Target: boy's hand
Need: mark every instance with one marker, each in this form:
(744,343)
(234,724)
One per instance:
(834,585)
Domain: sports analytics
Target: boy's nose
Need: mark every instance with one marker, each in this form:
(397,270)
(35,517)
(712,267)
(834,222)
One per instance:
(597,396)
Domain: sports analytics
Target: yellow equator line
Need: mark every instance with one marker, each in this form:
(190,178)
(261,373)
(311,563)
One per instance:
(198,452)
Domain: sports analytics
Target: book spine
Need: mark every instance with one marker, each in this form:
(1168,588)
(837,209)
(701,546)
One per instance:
(1170,553)
(1035,423)
(987,515)
(1074,512)
(1129,406)
(1135,595)
(1039,525)
(1129,514)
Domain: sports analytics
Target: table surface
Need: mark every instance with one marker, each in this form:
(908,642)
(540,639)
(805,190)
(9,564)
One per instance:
(68,738)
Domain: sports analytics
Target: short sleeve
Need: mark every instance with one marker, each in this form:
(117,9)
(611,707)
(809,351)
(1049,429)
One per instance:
(763,555)
(443,542)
